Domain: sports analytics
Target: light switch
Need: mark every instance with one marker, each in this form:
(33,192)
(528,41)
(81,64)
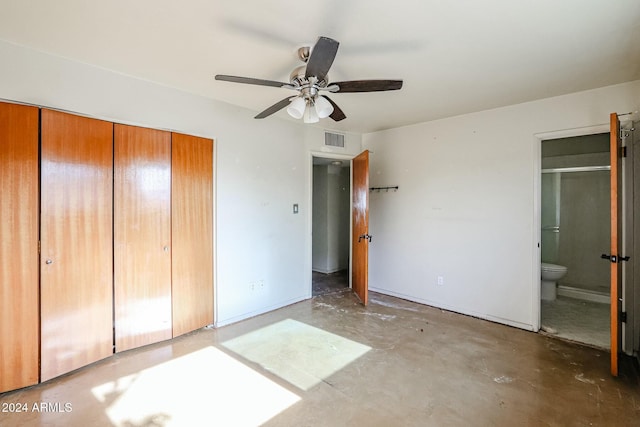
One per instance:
(295,208)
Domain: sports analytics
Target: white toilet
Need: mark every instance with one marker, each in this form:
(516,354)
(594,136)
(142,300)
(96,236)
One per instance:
(550,274)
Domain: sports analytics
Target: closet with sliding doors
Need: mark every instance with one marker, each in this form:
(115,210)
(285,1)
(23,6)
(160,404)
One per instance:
(107,240)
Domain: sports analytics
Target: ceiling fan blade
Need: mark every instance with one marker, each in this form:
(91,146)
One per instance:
(274,108)
(337,114)
(321,58)
(251,81)
(366,85)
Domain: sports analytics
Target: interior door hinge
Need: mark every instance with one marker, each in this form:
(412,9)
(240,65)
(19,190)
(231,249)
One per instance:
(623,151)
(623,317)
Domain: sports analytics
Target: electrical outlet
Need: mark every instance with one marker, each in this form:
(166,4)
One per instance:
(256,286)
(440,280)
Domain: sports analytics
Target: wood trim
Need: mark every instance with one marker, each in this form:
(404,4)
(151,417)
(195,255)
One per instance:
(19,305)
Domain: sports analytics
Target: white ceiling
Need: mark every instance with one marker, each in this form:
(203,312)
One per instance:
(454,56)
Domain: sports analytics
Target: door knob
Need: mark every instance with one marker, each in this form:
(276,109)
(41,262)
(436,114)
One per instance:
(166,248)
(49,261)
(614,258)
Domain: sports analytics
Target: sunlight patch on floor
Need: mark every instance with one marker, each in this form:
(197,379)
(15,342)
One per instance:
(298,353)
(206,387)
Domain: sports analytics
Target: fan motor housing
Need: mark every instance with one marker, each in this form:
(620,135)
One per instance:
(298,78)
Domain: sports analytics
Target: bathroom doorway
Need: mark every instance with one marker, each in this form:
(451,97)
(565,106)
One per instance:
(331,222)
(575,222)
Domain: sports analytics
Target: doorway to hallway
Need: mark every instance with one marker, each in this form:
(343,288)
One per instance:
(331,219)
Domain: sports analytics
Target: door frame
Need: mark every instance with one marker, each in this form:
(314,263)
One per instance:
(537,205)
(629,331)
(631,291)
(309,255)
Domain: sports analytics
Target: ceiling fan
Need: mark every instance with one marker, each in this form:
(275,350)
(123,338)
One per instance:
(309,80)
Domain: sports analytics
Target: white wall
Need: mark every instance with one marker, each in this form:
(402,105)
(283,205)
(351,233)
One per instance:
(465,208)
(320,219)
(262,167)
(467,202)
(341,209)
(331,218)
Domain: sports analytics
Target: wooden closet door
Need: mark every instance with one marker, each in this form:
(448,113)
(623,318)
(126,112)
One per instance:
(19,330)
(192,232)
(76,263)
(142,235)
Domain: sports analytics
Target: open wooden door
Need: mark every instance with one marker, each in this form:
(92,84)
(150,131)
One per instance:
(360,237)
(616,240)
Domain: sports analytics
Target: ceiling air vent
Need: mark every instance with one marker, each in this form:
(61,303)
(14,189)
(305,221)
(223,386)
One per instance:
(334,139)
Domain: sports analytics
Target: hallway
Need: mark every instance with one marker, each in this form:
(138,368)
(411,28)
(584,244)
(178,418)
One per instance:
(330,361)
(328,283)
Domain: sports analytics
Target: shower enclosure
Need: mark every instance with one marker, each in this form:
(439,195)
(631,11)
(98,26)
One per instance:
(575,227)
(550,216)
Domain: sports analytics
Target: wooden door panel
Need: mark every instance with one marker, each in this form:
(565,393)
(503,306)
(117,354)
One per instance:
(192,232)
(19,311)
(76,264)
(616,238)
(142,236)
(360,227)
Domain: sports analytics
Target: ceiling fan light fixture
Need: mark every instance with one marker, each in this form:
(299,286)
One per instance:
(308,80)
(296,108)
(323,107)
(311,115)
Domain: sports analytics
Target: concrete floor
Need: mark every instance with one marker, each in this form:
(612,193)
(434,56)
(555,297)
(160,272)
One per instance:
(327,283)
(329,361)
